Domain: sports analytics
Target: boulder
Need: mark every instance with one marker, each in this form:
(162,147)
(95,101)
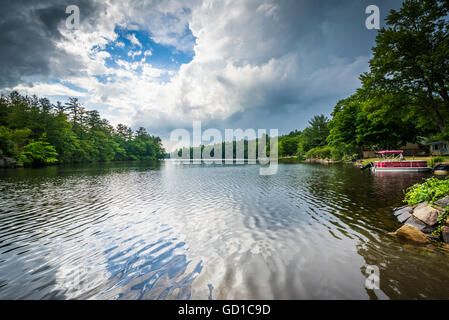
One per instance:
(422,205)
(403,213)
(399,208)
(426,214)
(412,234)
(445,234)
(443,203)
(421,226)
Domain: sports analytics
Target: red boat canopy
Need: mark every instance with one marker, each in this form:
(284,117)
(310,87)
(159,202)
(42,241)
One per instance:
(390,152)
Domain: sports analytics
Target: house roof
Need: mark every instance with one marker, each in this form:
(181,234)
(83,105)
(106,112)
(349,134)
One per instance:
(437,142)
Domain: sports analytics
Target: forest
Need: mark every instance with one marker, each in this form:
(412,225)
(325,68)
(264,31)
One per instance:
(34,132)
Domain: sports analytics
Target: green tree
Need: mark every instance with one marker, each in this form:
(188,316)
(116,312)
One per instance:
(38,153)
(314,135)
(411,58)
(35,132)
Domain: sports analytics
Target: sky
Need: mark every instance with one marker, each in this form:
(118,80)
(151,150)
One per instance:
(162,64)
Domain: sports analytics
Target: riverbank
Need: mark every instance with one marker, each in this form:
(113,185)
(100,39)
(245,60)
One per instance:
(424,222)
(323,161)
(431,161)
(290,159)
(426,216)
(10,163)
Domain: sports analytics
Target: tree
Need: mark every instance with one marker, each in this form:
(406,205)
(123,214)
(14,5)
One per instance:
(411,58)
(314,135)
(343,126)
(75,109)
(39,153)
(288,145)
(35,132)
(371,121)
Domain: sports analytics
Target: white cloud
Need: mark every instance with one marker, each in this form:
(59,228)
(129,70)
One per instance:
(133,54)
(132,37)
(48,89)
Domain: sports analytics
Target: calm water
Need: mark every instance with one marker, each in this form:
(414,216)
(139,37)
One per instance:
(167,231)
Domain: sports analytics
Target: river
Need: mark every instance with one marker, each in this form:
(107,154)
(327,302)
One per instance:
(173,231)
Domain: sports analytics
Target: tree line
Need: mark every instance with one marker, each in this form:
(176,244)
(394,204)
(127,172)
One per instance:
(35,132)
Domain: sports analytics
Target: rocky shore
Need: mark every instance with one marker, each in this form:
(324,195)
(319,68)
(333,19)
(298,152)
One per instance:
(322,161)
(421,222)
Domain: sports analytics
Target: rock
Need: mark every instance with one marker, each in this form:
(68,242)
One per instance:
(422,205)
(399,208)
(412,234)
(445,234)
(6,162)
(426,214)
(421,226)
(403,214)
(443,203)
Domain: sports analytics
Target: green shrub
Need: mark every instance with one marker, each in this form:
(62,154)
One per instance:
(38,153)
(431,190)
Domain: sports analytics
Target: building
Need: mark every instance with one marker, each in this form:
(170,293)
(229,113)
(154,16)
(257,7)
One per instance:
(410,150)
(439,147)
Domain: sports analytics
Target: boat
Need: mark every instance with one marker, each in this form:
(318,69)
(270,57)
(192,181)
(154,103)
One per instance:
(393,161)
(441,169)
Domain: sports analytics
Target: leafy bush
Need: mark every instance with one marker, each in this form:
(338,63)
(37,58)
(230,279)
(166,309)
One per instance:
(431,190)
(38,153)
(320,153)
(352,157)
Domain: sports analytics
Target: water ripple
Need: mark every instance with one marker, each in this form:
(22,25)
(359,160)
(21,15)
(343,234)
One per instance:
(208,232)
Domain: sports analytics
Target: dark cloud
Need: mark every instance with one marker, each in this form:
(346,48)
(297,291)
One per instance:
(28,31)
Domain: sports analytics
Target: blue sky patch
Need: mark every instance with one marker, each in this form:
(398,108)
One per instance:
(127,49)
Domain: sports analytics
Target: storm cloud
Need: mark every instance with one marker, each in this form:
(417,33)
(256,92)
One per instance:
(29,33)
